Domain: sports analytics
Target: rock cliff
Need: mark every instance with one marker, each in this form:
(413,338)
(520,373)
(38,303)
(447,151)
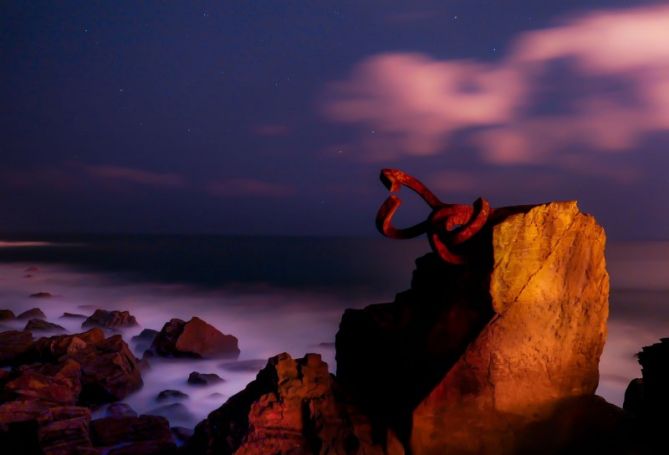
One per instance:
(496,355)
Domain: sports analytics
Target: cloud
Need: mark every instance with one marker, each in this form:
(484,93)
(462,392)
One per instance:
(604,74)
(134,176)
(240,187)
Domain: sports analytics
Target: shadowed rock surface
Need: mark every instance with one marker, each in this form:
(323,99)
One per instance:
(42,325)
(293,406)
(6,315)
(33,313)
(194,338)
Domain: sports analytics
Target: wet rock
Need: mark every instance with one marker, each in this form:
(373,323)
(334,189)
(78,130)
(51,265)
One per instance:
(13,345)
(293,407)
(42,325)
(51,349)
(33,313)
(442,366)
(246,366)
(65,430)
(73,316)
(110,319)
(32,427)
(118,410)
(204,379)
(109,371)
(58,384)
(41,295)
(194,338)
(170,394)
(6,315)
(111,431)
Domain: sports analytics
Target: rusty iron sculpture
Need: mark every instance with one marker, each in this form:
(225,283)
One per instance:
(447,227)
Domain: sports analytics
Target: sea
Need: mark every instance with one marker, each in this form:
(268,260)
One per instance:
(275,294)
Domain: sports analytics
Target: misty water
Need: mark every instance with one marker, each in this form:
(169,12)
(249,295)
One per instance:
(276,295)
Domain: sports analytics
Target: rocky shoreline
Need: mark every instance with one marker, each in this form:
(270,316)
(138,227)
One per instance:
(497,356)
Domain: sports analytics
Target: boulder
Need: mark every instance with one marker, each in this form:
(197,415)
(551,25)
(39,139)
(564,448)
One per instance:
(292,407)
(13,345)
(33,313)
(110,319)
(32,427)
(194,338)
(145,336)
(54,384)
(171,395)
(109,371)
(51,349)
(42,325)
(6,315)
(473,356)
(203,379)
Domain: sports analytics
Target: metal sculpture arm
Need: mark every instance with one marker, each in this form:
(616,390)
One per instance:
(447,226)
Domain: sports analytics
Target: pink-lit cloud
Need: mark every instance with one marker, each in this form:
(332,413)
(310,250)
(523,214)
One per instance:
(247,187)
(411,104)
(134,176)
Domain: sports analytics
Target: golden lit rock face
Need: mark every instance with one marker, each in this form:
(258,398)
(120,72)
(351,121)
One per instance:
(549,290)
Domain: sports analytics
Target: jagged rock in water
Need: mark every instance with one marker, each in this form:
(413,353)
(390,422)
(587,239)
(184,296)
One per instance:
(110,319)
(56,384)
(32,427)
(292,407)
(109,371)
(42,325)
(6,315)
(194,338)
(204,379)
(33,313)
(473,358)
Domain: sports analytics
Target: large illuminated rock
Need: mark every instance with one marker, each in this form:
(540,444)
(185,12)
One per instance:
(473,358)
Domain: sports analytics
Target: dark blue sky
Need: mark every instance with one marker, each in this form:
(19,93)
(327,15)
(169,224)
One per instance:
(275,117)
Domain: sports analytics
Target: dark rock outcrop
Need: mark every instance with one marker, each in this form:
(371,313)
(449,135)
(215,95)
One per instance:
(110,319)
(647,398)
(292,407)
(33,313)
(42,325)
(204,379)
(170,394)
(13,345)
(194,338)
(6,315)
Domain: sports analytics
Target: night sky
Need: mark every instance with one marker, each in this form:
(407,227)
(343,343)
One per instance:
(258,117)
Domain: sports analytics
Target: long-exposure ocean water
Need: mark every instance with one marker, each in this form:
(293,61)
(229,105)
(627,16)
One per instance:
(276,294)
